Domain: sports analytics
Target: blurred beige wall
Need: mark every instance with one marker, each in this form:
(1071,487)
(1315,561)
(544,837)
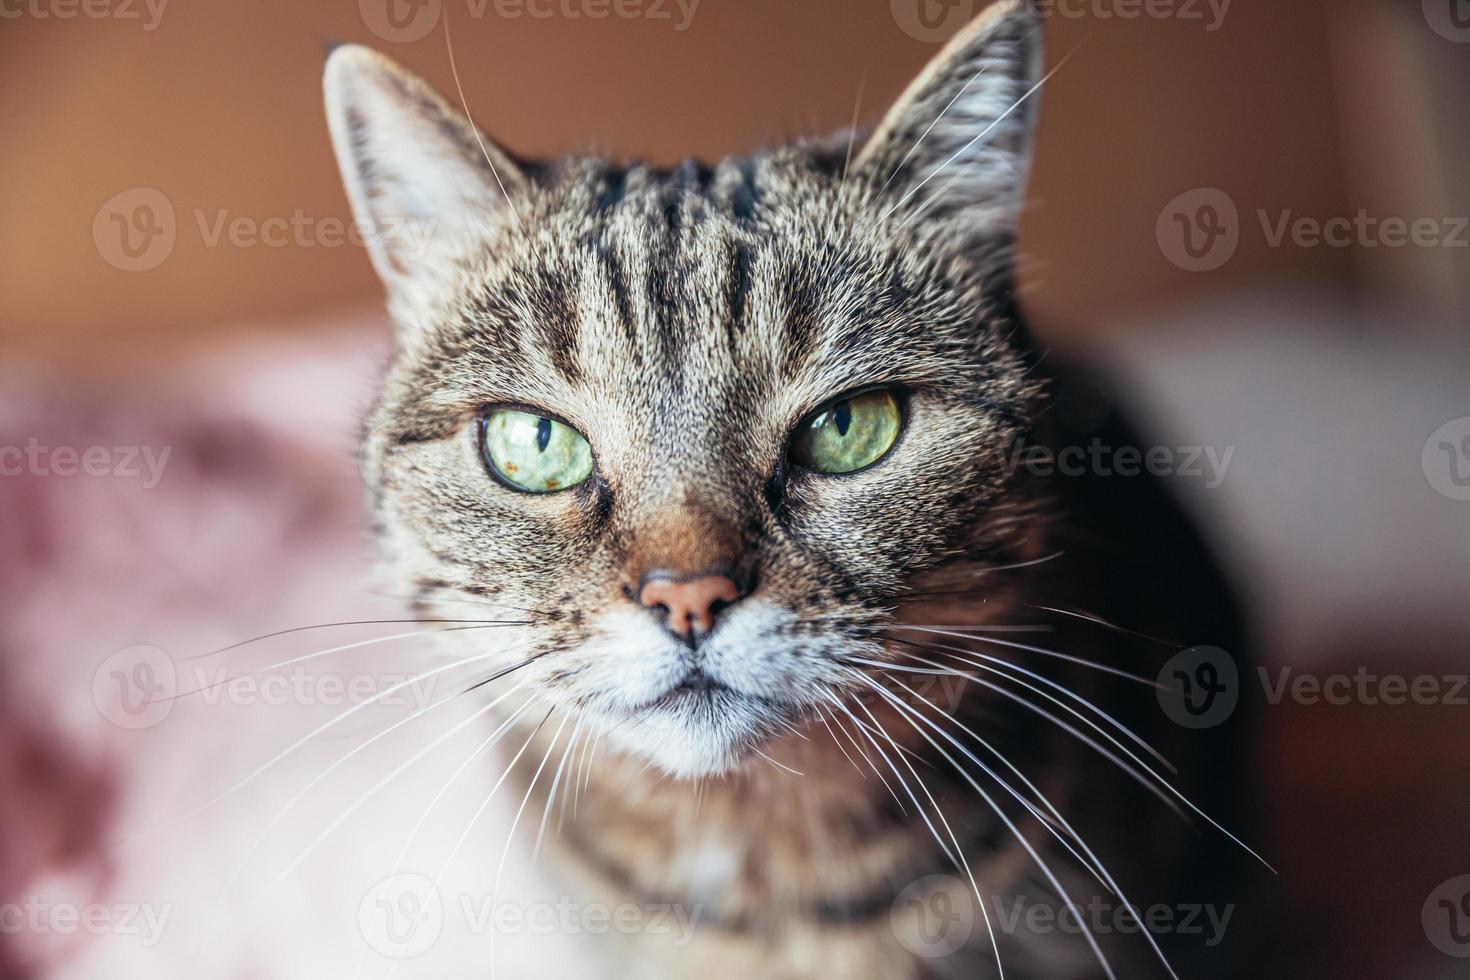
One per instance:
(215,106)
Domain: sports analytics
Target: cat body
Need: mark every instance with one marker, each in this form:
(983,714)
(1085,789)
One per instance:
(733,448)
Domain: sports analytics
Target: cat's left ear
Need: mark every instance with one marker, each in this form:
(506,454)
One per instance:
(425,185)
(957,143)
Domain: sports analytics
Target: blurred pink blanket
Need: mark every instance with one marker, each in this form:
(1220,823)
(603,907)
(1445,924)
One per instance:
(181,513)
(169,812)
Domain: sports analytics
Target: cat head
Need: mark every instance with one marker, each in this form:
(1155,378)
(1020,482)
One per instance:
(700,429)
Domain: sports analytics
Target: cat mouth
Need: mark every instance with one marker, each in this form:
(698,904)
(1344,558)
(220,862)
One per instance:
(699,725)
(696,689)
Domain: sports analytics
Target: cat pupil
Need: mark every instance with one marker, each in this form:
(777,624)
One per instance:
(543,434)
(842,415)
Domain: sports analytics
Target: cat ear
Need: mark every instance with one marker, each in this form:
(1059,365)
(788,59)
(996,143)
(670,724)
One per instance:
(423,182)
(956,144)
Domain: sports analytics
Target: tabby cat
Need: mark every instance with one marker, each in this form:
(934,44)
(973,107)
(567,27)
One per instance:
(734,447)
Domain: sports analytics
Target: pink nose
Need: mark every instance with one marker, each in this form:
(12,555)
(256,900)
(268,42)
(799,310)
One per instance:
(692,605)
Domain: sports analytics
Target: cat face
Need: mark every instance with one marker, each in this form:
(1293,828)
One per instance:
(699,429)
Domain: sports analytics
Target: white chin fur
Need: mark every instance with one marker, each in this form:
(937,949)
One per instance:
(630,663)
(694,740)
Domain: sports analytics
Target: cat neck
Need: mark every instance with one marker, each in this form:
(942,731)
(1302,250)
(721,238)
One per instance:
(816,826)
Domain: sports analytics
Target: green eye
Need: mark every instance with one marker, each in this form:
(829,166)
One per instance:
(534,453)
(848,434)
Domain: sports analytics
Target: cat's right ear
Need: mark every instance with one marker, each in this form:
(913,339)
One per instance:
(425,185)
(956,145)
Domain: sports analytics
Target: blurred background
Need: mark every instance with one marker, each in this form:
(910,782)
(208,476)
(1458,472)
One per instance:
(1315,108)
(1252,213)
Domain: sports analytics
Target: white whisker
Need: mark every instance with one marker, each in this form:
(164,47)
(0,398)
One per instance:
(348,622)
(958,858)
(1092,862)
(490,740)
(777,764)
(244,860)
(852,127)
(918,142)
(1020,838)
(359,706)
(1135,773)
(371,792)
(968,146)
(984,661)
(510,834)
(311,656)
(1160,787)
(1042,651)
(821,715)
(1099,621)
(454,70)
(555,783)
(867,732)
(474,818)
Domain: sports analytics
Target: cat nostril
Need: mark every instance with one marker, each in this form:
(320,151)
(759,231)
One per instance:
(691,606)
